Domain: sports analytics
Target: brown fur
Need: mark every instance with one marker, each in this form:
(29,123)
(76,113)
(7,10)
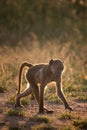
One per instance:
(42,74)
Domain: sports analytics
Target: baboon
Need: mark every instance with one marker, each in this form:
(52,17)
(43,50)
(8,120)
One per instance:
(38,76)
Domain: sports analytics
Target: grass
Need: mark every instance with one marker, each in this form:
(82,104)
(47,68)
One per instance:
(80,124)
(68,128)
(51,96)
(2,89)
(15,112)
(83,88)
(53,99)
(11,100)
(12,69)
(14,128)
(82,98)
(3,86)
(43,127)
(76,122)
(25,101)
(65,116)
(84,82)
(69,88)
(40,119)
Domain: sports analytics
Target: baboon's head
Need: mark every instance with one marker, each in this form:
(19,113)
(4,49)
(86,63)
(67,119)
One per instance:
(56,66)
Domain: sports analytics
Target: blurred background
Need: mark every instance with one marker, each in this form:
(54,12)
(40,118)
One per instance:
(25,20)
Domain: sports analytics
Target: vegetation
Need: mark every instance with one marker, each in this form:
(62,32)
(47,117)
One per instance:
(41,119)
(14,128)
(2,89)
(80,124)
(43,127)
(2,86)
(44,20)
(13,112)
(65,116)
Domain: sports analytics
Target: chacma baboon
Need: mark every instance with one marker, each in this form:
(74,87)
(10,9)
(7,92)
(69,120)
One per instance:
(38,76)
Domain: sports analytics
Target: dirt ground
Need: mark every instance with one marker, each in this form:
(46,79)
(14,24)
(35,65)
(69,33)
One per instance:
(6,121)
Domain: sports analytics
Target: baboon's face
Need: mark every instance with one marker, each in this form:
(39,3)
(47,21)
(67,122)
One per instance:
(56,67)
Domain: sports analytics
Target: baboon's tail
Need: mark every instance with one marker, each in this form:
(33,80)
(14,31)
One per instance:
(24,64)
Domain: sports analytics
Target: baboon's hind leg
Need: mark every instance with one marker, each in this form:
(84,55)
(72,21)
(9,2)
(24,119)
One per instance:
(37,96)
(25,93)
(35,90)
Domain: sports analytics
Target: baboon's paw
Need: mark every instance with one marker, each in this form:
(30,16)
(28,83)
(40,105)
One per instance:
(19,105)
(49,111)
(69,108)
(41,112)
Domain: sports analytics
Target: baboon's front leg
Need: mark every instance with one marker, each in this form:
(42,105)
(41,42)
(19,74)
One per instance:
(62,97)
(41,103)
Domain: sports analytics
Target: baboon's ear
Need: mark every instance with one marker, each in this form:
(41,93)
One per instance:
(51,61)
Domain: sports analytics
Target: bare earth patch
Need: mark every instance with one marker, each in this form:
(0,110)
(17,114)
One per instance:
(24,122)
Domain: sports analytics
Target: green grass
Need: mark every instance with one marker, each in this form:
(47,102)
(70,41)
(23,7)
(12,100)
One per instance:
(65,116)
(11,100)
(69,88)
(51,96)
(2,89)
(43,127)
(76,122)
(83,88)
(12,69)
(15,112)
(14,128)
(84,82)
(3,85)
(50,89)
(40,119)
(82,98)
(80,124)
(68,128)
(25,101)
